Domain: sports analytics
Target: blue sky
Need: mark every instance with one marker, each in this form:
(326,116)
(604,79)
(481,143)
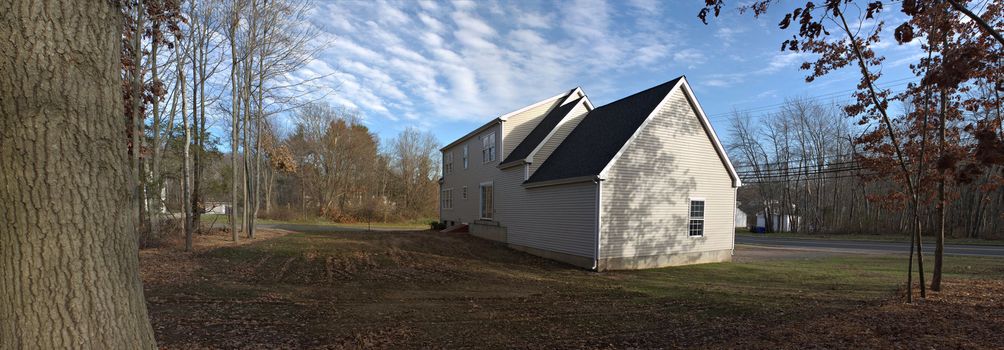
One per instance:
(449,67)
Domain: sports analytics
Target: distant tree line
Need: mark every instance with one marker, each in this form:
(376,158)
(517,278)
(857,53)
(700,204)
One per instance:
(203,82)
(803,163)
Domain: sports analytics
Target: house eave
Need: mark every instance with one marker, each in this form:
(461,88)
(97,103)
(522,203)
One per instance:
(487,126)
(513,163)
(570,180)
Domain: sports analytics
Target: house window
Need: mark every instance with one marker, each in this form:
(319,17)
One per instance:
(446,198)
(465,158)
(696,217)
(488,147)
(487,201)
(447,163)
(463,192)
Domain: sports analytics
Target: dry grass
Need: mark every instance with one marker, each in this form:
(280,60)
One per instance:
(422,289)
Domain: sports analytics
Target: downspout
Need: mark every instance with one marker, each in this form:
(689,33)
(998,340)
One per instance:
(599,196)
(501,141)
(735,196)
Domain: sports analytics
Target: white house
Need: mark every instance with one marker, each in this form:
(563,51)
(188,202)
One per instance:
(638,183)
(741,218)
(779,223)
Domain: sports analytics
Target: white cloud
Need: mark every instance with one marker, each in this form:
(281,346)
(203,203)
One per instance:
(472,60)
(727,34)
(650,6)
(534,20)
(391,15)
(689,56)
(431,22)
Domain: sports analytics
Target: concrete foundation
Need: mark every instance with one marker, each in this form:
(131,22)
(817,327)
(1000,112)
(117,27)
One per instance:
(580,261)
(492,232)
(664,260)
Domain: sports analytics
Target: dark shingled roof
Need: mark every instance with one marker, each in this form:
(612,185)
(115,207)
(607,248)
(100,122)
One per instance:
(539,132)
(600,134)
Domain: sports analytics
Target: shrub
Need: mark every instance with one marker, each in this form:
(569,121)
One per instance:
(436,225)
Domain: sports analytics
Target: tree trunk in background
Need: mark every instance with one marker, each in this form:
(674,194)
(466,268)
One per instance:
(234,113)
(192,211)
(69,272)
(186,170)
(939,244)
(153,199)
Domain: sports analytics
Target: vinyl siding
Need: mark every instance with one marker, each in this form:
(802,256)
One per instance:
(519,125)
(562,130)
(468,210)
(645,196)
(556,218)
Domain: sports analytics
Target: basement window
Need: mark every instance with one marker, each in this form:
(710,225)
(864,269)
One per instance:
(696,221)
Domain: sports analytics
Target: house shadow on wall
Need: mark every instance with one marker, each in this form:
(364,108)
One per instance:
(653,212)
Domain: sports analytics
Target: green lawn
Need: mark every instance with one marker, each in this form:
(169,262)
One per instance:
(866,237)
(424,289)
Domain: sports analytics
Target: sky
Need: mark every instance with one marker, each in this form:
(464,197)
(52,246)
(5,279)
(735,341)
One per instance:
(449,67)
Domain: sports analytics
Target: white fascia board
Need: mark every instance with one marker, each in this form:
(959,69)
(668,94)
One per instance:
(564,119)
(736,182)
(535,104)
(685,86)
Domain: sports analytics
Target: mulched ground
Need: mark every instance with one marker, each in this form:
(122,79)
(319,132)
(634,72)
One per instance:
(430,290)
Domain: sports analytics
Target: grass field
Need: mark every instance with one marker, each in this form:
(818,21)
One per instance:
(864,237)
(424,289)
(419,224)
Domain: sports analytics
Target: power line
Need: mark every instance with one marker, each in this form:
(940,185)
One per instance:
(764,108)
(834,177)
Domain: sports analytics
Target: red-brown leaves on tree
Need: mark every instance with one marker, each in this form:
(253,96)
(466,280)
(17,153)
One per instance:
(989,147)
(904,33)
(873,8)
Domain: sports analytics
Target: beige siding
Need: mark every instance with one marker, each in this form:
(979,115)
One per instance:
(467,210)
(519,125)
(645,196)
(554,218)
(561,131)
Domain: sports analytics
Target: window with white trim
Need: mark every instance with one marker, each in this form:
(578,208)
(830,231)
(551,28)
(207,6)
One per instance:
(463,192)
(696,222)
(488,148)
(446,198)
(466,157)
(487,201)
(447,163)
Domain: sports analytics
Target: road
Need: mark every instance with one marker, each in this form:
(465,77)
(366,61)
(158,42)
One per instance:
(868,246)
(320,228)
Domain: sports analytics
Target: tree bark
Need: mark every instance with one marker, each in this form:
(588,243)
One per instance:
(69,269)
(186,170)
(235,116)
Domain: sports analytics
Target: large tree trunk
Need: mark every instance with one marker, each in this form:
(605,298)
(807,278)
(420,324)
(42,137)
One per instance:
(69,270)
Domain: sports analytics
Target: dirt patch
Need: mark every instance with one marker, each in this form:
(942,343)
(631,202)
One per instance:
(969,314)
(170,264)
(392,290)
